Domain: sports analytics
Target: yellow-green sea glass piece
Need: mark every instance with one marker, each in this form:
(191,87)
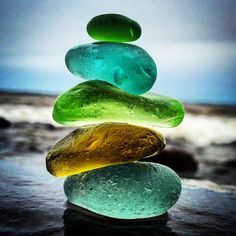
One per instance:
(96,146)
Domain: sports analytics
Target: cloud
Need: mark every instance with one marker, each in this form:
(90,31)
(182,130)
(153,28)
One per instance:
(191,41)
(33,26)
(40,61)
(200,55)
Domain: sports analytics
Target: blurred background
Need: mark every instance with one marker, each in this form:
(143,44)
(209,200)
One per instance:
(192,42)
(194,46)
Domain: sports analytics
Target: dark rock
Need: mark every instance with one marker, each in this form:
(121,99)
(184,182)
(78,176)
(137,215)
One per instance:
(230,163)
(177,159)
(21,125)
(221,171)
(43,126)
(24,138)
(34,148)
(50,127)
(4,123)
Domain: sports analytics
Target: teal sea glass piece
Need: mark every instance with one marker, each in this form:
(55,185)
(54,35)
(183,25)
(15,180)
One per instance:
(113,28)
(126,66)
(98,101)
(129,191)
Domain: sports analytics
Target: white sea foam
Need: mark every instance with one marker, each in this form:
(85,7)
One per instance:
(26,113)
(198,129)
(204,130)
(209,185)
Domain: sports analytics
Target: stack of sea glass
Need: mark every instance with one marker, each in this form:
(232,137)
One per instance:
(100,157)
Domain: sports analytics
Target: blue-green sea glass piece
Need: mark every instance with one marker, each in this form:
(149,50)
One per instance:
(126,66)
(134,190)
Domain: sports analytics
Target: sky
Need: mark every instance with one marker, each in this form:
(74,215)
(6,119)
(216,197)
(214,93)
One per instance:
(192,42)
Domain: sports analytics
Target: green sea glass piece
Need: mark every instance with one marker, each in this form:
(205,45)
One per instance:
(126,66)
(127,191)
(114,28)
(98,101)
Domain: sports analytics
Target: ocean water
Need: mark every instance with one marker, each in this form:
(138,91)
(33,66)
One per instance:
(190,88)
(200,130)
